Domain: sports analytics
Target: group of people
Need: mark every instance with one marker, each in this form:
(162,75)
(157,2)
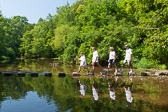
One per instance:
(111,60)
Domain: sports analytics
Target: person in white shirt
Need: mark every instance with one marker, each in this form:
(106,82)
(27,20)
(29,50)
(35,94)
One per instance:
(112,59)
(82,62)
(82,87)
(128,59)
(112,89)
(95,90)
(95,58)
(128,93)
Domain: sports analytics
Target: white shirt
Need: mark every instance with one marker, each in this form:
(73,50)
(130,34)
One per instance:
(112,95)
(95,54)
(128,96)
(82,60)
(128,54)
(95,94)
(82,89)
(112,55)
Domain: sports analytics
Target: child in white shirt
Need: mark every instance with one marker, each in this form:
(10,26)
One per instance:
(82,62)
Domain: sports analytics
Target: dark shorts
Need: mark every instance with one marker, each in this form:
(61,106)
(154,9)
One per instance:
(111,61)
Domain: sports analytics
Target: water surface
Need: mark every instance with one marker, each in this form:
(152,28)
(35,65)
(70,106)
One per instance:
(84,93)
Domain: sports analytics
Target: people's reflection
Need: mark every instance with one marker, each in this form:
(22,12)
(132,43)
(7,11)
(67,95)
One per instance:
(95,89)
(83,87)
(112,89)
(128,93)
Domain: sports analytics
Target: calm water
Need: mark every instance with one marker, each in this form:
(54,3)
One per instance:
(78,94)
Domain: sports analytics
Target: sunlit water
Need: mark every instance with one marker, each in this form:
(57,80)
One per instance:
(78,94)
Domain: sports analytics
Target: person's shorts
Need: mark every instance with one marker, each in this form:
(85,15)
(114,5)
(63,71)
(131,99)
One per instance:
(111,61)
(83,65)
(127,61)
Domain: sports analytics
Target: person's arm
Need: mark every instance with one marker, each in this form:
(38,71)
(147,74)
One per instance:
(130,55)
(84,60)
(114,57)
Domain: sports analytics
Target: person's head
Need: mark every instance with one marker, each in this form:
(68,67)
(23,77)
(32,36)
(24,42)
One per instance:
(111,48)
(81,53)
(126,46)
(94,48)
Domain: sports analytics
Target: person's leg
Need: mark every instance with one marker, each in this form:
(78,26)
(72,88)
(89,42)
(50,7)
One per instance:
(109,66)
(123,66)
(87,69)
(79,69)
(130,64)
(93,66)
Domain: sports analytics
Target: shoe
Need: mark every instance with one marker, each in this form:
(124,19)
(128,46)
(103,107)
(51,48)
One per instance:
(106,71)
(129,72)
(115,73)
(122,71)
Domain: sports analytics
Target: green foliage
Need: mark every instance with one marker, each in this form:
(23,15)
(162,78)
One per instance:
(142,24)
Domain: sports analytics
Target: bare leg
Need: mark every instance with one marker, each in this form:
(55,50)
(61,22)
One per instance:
(87,68)
(93,66)
(79,69)
(109,66)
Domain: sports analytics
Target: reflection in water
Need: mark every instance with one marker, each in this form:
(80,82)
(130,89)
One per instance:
(59,94)
(95,88)
(83,87)
(128,93)
(112,89)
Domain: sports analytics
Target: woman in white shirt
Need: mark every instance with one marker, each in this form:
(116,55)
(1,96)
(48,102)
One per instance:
(112,59)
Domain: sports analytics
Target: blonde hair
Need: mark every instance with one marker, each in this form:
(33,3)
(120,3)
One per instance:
(112,48)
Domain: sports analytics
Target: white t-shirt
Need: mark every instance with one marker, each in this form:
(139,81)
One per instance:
(83,60)
(128,54)
(128,96)
(95,54)
(112,95)
(82,89)
(112,55)
(95,94)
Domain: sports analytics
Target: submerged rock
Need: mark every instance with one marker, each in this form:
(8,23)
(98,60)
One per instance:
(76,74)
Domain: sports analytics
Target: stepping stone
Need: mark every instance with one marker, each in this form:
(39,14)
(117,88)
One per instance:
(133,74)
(90,73)
(61,74)
(162,72)
(76,74)
(103,73)
(119,74)
(21,74)
(48,74)
(145,74)
(8,74)
(34,74)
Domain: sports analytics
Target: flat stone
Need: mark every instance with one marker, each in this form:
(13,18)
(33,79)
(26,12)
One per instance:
(48,74)
(21,74)
(34,74)
(62,74)
(76,74)
(133,74)
(145,74)
(8,74)
(90,73)
(119,74)
(103,73)
(161,72)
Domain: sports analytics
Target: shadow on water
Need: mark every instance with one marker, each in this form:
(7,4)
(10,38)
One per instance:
(80,93)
